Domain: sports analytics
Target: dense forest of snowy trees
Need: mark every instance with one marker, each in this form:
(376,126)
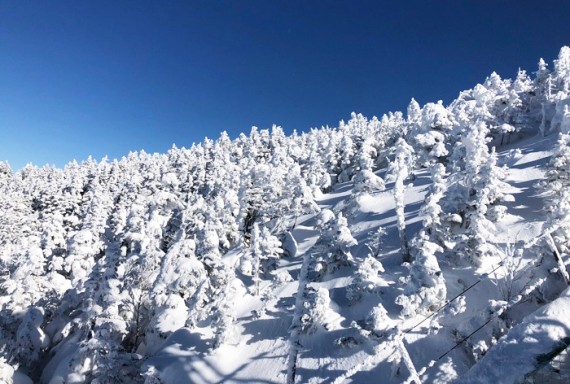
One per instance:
(102,260)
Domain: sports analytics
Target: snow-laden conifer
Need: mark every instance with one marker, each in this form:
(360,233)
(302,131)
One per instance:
(425,289)
(400,169)
(333,247)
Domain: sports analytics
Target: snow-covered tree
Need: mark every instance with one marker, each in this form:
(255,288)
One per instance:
(366,279)
(297,199)
(490,190)
(181,275)
(430,133)
(555,186)
(561,76)
(400,169)
(365,180)
(414,115)
(334,244)
(425,288)
(31,339)
(265,248)
(375,241)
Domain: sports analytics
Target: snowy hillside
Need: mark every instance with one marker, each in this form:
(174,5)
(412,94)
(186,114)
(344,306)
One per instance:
(430,247)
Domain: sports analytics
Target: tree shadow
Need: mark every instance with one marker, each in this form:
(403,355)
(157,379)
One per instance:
(526,205)
(382,370)
(538,163)
(185,357)
(267,328)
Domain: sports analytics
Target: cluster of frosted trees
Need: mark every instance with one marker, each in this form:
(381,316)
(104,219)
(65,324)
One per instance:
(102,260)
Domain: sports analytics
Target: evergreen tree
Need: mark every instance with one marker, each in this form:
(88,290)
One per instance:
(265,248)
(334,244)
(555,186)
(425,288)
(490,190)
(400,170)
(562,73)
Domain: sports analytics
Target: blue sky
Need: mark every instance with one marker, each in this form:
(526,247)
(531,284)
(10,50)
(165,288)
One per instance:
(81,78)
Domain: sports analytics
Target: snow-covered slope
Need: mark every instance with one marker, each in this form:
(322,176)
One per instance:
(339,349)
(424,248)
(533,342)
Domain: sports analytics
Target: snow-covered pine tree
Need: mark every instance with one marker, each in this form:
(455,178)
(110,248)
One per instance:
(561,75)
(365,180)
(366,279)
(490,190)
(265,249)
(333,247)
(555,187)
(425,289)
(297,198)
(375,241)
(414,116)
(31,340)
(181,275)
(214,299)
(399,170)
(430,133)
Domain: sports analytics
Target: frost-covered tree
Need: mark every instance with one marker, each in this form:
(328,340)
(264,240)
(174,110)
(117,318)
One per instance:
(476,153)
(432,210)
(490,191)
(561,76)
(366,279)
(345,158)
(543,80)
(365,180)
(472,203)
(400,169)
(367,154)
(555,186)
(223,317)
(331,250)
(297,199)
(315,172)
(315,308)
(296,327)
(521,101)
(471,152)
(181,275)
(333,246)
(430,133)
(414,115)
(425,288)
(31,340)
(375,241)
(543,86)
(558,173)
(265,249)
(213,300)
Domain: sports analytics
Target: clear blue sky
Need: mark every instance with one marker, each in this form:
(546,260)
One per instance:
(107,77)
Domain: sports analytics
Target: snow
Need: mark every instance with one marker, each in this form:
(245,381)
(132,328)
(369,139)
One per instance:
(380,203)
(526,346)
(272,259)
(262,356)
